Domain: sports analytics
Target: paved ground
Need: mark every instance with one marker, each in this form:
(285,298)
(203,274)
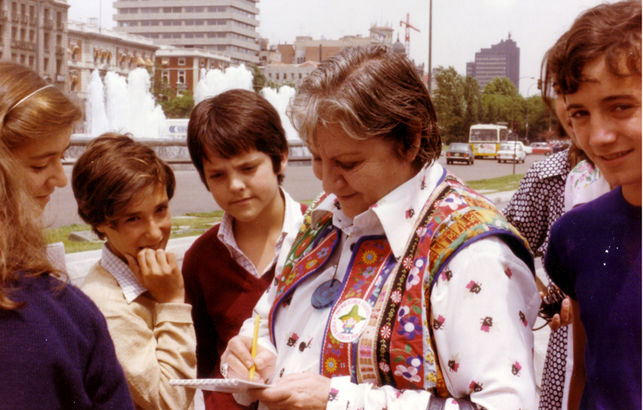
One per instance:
(191,195)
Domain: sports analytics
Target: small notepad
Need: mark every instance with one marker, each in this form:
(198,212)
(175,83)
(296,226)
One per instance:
(220,385)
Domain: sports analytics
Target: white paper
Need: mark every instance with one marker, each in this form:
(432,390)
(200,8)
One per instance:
(220,385)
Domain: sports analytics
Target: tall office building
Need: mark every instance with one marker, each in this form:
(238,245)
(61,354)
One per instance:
(499,60)
(227,27)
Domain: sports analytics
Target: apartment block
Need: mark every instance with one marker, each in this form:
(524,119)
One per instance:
(34,33)
(227,27)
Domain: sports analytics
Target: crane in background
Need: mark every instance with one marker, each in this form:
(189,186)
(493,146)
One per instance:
(407,33)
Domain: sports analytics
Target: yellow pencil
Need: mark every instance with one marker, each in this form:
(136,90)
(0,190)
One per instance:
(253,351)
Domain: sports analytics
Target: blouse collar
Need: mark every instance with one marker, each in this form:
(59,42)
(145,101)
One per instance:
(394,215)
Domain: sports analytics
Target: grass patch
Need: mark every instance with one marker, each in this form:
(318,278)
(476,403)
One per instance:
(196,223)
(62,235)
(500,184)
(191,224)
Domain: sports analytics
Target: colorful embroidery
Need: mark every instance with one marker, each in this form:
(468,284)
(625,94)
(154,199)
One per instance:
(354,306)
(395,347)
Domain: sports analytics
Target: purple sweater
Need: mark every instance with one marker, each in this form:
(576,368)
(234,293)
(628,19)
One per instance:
(56,352)
(594,256)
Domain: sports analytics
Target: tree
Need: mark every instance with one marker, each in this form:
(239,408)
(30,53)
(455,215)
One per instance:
(473,107)
(459,104)
(501,86)
(502,103)
(179,106)
(537,116)
(448,100)
(258,79)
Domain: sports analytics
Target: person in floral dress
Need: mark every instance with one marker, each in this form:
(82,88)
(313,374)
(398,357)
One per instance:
(405,289)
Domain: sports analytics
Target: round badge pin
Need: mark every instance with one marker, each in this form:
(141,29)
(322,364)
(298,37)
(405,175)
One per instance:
(350,319)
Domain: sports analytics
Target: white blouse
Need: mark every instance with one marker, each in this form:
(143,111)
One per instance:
(487,302)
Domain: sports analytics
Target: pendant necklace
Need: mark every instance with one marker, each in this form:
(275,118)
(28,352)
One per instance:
(326,293)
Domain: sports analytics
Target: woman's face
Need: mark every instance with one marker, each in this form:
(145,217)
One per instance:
(358,172)
(41,160)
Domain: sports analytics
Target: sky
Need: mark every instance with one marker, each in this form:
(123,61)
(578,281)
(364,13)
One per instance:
(460,28)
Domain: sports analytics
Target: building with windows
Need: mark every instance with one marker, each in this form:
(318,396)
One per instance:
(288,74)
(499,60)
(305,48)
(224,27)
(34,33)
(289,64)
(91,48)
(181,68)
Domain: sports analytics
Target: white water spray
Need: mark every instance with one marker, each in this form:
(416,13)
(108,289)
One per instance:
(127,105)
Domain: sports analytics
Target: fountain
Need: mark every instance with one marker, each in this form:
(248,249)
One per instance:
(126,105)
(214,82)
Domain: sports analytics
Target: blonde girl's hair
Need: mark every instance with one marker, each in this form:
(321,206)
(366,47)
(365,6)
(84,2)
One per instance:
(22,246)
(30,108)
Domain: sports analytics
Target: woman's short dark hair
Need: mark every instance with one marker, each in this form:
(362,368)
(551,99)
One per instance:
(370,92)
(233,123)
(112,169)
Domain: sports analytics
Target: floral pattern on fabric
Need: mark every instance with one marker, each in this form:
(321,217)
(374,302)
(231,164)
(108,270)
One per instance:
(362,386)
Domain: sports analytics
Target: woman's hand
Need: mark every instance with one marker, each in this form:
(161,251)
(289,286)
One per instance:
(296,391)
(238,359)
(159,272)
(565,316)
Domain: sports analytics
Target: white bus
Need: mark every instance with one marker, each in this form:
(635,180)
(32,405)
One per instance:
(485,139)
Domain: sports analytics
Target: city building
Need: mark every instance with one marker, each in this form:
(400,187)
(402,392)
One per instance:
(34,33)
(499,60)
(305,48)
(288,74)
(97,48)
(91,48)
(289,64)
(226,27)
(181,68)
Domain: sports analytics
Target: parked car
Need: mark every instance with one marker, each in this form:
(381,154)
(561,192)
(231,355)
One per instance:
(525,148)
(459,151)
(511,152)
(541,148)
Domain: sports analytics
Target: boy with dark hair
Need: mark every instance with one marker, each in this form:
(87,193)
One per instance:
(123,191)
(239,148)
(594,254)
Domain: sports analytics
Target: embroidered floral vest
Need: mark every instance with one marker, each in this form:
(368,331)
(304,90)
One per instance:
(395,346)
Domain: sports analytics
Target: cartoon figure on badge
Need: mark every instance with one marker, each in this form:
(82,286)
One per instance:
(351,319)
